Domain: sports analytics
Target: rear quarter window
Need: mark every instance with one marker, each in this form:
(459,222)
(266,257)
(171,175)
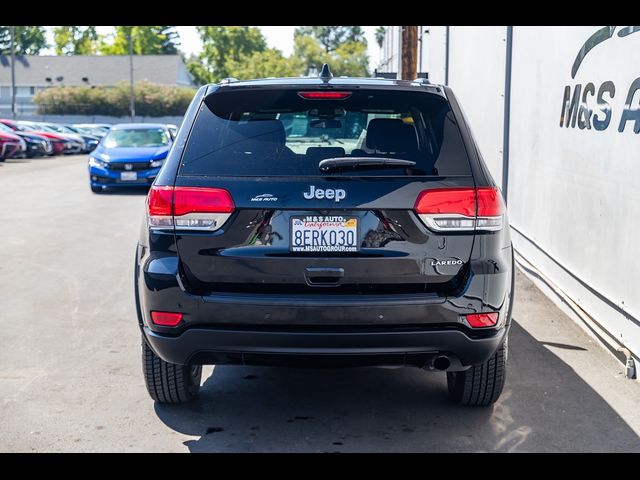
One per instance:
(245,132)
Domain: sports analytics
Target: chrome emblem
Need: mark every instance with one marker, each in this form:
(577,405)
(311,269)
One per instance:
(329,193)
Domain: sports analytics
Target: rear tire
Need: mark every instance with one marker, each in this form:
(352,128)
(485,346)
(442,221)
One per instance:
(96,189)
(481,385)
(167,382)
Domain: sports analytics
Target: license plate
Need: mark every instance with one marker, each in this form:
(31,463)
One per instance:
(128,176)
(324,233)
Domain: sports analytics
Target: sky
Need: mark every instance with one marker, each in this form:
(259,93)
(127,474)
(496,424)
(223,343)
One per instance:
(280,37)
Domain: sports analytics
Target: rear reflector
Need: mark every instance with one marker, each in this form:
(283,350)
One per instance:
(166,319)
(461,209)
(324,95)
(479,320)
(188,208)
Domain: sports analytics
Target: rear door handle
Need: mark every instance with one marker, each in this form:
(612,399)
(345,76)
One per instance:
(323,275)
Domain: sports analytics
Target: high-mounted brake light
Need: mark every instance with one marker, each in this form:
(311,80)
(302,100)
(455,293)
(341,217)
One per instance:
(479,320)
(461,209)
(324,95)
(188,208)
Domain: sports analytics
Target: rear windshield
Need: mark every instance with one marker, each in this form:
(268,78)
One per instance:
(280,132)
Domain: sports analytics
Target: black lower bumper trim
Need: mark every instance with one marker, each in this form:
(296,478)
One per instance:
(217,346)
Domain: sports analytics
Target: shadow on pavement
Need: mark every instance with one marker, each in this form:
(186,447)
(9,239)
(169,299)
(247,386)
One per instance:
(545,407)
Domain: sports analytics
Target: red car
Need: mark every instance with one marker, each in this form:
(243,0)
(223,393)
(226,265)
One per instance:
(59,142)
(9,145)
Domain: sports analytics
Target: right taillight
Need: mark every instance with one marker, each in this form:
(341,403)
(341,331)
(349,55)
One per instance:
(188,208)
(461,209)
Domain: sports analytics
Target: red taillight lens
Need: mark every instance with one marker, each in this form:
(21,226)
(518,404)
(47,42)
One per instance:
(461,209)
(489,202)
(201,200)
(479,320)
(188,208)
(160,200)
(460,201)
(324,95)
(166,319)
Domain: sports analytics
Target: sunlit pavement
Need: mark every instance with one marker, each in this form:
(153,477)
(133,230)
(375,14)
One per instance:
(70,376)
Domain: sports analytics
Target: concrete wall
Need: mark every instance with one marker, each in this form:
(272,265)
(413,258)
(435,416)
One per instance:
(573,193)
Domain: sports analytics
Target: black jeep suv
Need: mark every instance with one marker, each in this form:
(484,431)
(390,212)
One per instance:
(325,222)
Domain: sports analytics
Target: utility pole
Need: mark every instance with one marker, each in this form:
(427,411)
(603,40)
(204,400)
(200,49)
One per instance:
(13,72)
(409,52)
(132,98)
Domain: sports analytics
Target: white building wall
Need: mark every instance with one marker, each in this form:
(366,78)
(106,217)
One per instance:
(573,194)
(477,78)
(435,52)
(391,49)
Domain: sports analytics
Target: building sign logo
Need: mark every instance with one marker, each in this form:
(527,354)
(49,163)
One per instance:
(575,102)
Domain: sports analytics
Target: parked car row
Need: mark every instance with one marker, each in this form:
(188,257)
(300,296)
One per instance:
(20,139)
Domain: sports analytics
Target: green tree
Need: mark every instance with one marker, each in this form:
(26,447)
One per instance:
(72,40)
(308,52)
(380,34)
(28,41)
(349,58)
(147,40)
(267,63)
(332,37)
(222,47)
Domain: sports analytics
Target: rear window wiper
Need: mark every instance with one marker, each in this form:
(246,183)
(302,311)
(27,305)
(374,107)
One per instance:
(363,162)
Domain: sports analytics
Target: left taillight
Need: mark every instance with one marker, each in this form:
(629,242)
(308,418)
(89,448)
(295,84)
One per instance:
(188,208)
(461,209)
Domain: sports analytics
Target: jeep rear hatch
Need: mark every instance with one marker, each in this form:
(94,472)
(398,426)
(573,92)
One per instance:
(393,210)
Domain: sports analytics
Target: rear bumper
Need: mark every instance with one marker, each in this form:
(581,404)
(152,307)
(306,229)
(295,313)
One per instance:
(323,329)
(335,349)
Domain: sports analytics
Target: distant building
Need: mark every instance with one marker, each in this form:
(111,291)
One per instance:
(38,72)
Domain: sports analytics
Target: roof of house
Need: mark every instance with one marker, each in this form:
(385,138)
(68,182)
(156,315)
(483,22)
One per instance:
(109,70)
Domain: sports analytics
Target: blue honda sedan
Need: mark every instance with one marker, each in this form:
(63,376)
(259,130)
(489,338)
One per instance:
(130,155)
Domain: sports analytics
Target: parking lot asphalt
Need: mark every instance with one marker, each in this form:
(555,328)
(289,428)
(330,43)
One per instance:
(70,374)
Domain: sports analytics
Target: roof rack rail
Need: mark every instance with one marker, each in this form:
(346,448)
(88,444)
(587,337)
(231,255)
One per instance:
(423,80)
(228,80)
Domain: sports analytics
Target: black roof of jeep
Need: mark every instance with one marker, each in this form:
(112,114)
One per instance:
(347,82)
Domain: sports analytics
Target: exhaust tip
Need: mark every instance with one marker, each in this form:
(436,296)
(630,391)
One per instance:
(441,362)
